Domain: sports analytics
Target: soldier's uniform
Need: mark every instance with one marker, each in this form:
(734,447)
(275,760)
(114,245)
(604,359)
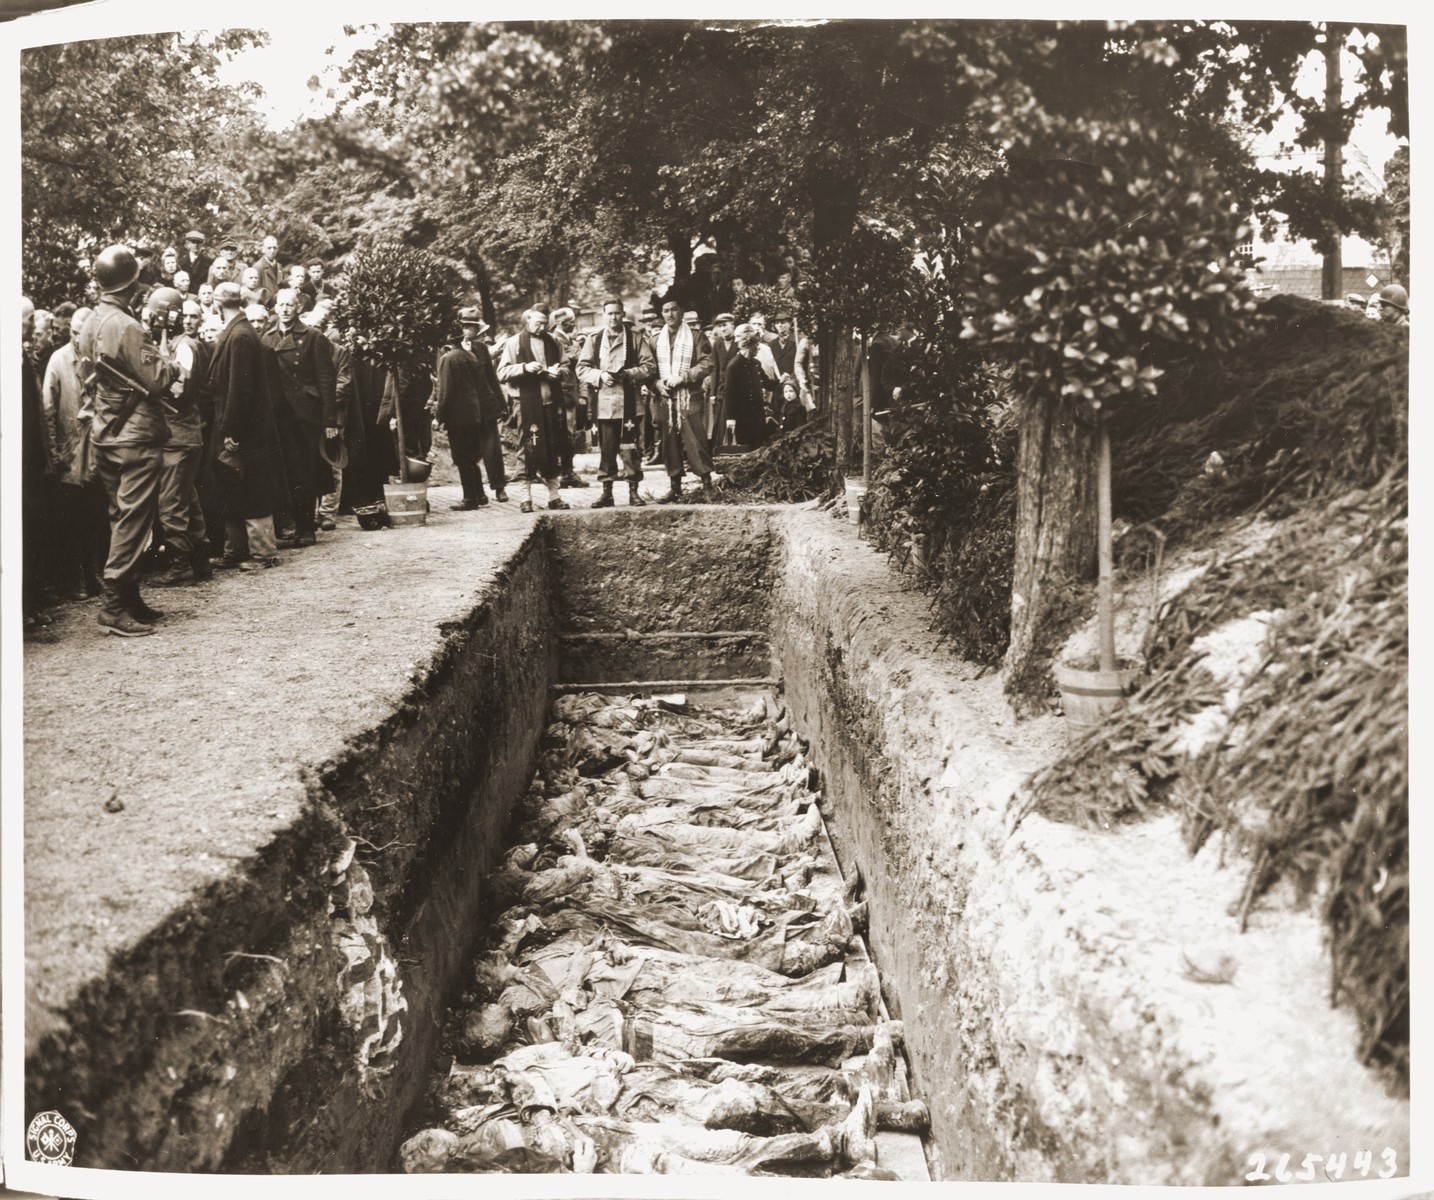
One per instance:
(128,457)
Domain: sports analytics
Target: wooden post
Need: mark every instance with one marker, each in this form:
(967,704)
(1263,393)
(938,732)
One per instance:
(865,410)
(398,416)
(1105,582)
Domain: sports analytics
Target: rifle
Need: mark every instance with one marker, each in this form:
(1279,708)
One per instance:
(115,373)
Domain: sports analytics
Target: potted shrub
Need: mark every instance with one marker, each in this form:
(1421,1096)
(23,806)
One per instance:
(1105,256)
(395,307)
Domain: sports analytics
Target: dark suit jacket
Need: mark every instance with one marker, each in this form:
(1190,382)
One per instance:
(307,364)
(467,391)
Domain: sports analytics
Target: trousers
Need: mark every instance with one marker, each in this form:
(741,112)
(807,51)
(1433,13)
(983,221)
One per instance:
(180,514)
(687,439)
(471,446)
(614,462)
(130,476)
(255,533)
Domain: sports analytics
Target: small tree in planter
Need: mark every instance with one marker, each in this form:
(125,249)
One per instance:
(1102,257)
(395,307)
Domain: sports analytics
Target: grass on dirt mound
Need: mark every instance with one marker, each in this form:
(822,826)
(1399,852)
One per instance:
(793,467)
(1307,775)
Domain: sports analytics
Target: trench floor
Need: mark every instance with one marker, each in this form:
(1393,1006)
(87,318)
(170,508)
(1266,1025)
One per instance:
(677,981)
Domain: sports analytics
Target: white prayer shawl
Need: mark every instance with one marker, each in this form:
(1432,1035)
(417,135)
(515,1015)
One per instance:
(674,357)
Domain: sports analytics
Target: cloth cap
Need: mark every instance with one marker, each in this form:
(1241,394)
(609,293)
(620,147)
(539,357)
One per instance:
(783,314)
(470,316)
(229,246)
(746,335)
(689,316)
(650,313)
(561,314)
(194,236)
(720,317)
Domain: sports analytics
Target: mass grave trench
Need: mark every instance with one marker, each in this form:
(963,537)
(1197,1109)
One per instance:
(1044,1023)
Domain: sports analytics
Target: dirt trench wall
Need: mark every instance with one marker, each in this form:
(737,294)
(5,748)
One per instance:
(1052,1022)
(668,594)
(228,1039)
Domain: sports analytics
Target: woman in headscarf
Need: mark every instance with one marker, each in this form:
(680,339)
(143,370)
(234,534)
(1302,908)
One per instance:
(744,391)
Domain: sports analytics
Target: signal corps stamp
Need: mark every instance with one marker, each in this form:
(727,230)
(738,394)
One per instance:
(51,1139)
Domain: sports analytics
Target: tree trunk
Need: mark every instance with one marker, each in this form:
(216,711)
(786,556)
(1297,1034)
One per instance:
(844,379)
(681,247)
(485,287)
(1105,568)
(834,209)
(1332,275)
(1055,521)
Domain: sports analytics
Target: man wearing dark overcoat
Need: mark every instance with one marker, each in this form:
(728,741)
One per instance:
(615,363)
(469,403)
(307,411)
(244,450)
(724,346)
(193,259)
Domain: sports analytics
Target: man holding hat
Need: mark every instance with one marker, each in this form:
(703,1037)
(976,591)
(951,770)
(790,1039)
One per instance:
(128,432)
(615,363)
(469,403)
(194,260)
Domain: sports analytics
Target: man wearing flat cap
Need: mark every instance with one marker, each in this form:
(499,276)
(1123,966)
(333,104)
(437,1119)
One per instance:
(193,259)
(469,403)
(615,363)
(724,346)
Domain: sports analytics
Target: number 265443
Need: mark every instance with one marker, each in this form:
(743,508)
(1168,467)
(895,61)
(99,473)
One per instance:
(1331,1166)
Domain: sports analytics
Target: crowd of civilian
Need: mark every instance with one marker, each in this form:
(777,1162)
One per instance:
(191,413)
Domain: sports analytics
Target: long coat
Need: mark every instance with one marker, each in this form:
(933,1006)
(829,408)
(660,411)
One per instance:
(744,399)
(467,391)
(244,382)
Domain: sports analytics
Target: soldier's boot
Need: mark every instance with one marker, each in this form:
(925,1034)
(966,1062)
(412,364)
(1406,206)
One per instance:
(115,616)
(605,500)
(633,499)
(199,565)
(135,605)
(674,492)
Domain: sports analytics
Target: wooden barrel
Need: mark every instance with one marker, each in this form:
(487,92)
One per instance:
(1088,695)
(407,503)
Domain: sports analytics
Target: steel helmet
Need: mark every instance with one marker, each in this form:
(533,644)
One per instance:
(116,267)
(165,302)
(1394,296)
